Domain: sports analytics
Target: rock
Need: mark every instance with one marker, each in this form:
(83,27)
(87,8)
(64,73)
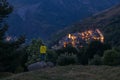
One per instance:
(36,66)
(50,64)
(40,65)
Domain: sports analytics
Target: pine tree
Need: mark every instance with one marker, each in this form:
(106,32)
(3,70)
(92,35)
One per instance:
(5,9)
(11,52)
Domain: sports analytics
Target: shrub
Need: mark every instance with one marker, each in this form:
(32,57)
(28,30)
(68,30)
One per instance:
(96,48)
(66,60)
(19,69)
(5,75)
(51,56)
(96,60)
(82,56)
(111,57)
(69,50)
(33,51)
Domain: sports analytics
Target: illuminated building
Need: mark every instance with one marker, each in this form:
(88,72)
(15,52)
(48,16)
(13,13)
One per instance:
(81,39)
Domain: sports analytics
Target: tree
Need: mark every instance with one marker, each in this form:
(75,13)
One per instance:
(67,59)
(117,48)
(33,51)
(51,56)
(96,47)
(11,52)
(97,60)
(70,50)
(10,56)
(5,9)
(82,57)
(111,57)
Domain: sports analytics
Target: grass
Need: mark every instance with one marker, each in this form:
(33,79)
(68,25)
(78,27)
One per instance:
(5,74)
(71,73)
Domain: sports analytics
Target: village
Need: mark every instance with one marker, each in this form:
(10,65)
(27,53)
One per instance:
(80,39)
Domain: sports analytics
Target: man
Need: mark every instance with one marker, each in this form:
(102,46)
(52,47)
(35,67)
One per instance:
(43,50)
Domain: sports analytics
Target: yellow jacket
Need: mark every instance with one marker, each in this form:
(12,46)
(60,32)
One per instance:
(43,49)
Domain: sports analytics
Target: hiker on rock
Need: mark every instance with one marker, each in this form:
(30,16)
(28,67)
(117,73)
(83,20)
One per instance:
(43,51)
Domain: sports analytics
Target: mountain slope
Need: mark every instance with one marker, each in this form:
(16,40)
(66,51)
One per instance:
(107,21)
(71,73)
(42,18)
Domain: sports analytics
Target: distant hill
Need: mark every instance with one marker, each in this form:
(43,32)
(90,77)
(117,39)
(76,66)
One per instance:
(107,21)
(42,18)
(71,73)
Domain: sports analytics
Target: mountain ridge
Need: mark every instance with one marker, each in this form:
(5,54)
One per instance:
(44,17)
(107,21)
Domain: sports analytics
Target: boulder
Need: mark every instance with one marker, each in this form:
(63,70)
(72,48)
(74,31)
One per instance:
(37,65)
(40,65)
(50,64)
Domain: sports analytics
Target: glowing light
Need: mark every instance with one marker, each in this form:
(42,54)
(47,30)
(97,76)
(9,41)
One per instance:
(101,35)
(65,44)
(86,36)
(8,38)
(69,36)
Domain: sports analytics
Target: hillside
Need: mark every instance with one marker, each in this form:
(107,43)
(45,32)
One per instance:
(42,18)
(107,21)
(71,73)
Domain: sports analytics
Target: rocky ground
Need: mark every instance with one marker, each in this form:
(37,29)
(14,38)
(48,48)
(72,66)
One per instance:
(76,72)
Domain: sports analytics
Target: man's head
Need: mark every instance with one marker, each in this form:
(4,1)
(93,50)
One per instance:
(43,44)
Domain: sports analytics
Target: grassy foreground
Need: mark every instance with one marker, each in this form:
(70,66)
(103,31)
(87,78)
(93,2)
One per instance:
(71,73)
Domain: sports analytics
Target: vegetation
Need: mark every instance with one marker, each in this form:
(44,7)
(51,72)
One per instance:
(111,57)
(5,9)
(97,60)
(66,60)
(96,53)
(51,56)
(33,51)
(92,54)
(12,53)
